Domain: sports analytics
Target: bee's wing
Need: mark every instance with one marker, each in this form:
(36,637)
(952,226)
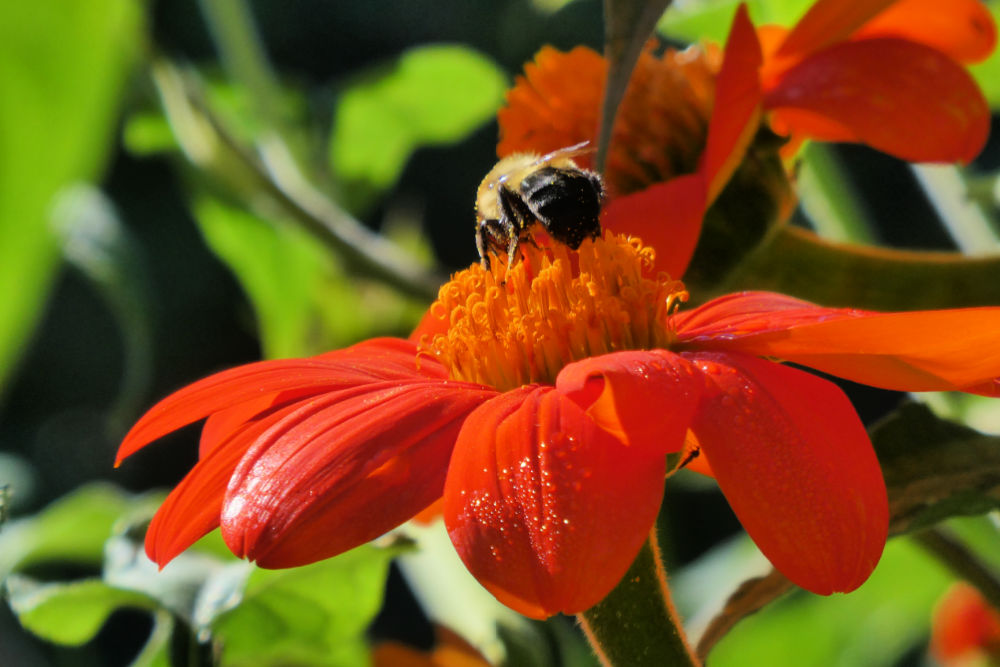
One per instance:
(567,152)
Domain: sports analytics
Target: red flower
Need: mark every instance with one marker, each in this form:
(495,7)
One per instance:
(874,71)
(541,403)
(965,629)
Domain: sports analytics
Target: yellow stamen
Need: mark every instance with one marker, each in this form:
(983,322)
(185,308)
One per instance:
(511,329)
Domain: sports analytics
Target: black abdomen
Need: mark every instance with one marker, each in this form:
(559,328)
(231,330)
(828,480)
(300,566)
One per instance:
(567,202)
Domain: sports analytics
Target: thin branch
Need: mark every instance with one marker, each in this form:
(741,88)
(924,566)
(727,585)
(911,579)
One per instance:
(952,552)
(751,596)
(363,250)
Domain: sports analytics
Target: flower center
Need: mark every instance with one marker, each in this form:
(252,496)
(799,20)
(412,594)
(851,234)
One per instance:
(553,307)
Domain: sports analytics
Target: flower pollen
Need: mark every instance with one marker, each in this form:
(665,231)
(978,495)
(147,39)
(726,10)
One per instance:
(556,306)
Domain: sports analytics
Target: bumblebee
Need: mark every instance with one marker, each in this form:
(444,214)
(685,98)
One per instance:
(524,189)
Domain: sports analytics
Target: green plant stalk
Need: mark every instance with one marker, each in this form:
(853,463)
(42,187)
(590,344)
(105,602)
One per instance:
(240,48)
(798,262)
(953,553)
(636,624)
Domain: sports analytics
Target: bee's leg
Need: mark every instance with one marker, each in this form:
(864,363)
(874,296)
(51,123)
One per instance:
(516,217)
(483,243)
(512,248)
(491,237)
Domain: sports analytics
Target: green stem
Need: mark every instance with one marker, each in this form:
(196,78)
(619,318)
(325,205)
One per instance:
(211,147)
(962,561)
(798,262)
(240,49)
(636,624)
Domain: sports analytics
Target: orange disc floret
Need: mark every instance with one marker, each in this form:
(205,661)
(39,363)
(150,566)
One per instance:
(512,328)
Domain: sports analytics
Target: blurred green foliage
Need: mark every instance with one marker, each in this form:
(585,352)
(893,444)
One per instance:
(236,190)
(63,66)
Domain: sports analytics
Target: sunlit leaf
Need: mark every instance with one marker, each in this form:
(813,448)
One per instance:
(314,615)
(69,613)
(710,19)
(987,73)
(62,64)
(873,626)
(304,302)
(148,134)
(431,95)
(72,529)
(193,586)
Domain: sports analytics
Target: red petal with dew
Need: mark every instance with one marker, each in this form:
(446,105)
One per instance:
(545,508)
(374,360)
(666,216)
(344,468)
(964,30)
(645,398)
(794,461)
(736,110)
(933,350)
(828,22)
(899,97)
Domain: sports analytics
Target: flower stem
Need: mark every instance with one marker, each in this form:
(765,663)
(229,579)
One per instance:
(636,624)
(959,559)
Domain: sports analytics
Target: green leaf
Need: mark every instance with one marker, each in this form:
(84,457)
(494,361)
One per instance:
(72,613)
(710,19)
(63,64)
(799,263)
(987,73)
(872,626)
(314,615)
(194,586)
(627,26)
(431,95)
(303,300)
(73,528)
(935,469)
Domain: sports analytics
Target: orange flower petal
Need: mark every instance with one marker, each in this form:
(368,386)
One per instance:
(794,462)
(555,104)
(545,508)
(965,627)
(373,360)
(344,468)
(666,216)
(934,350)
(899,97)
(962,29)
(626,393)
(828,22)
(736,111)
